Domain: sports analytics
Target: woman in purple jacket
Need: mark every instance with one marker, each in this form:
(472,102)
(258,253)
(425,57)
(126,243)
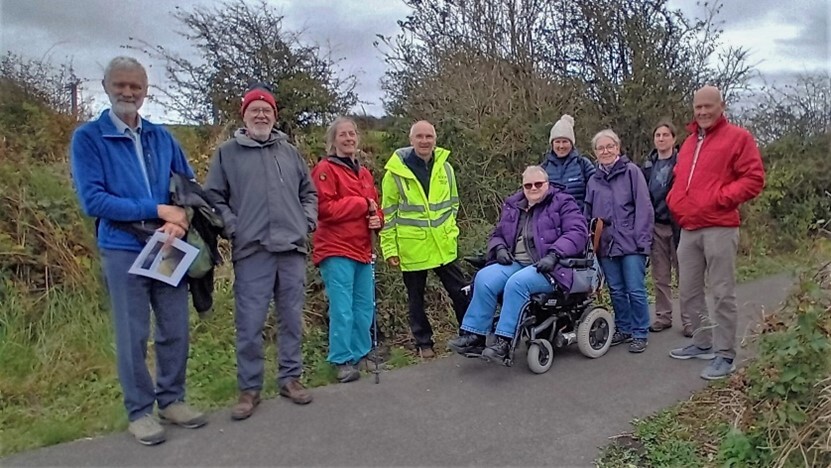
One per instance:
(539,225)
(618,194)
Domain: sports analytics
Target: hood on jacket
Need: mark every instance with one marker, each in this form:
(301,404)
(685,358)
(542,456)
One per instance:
(241,136)
(397,166)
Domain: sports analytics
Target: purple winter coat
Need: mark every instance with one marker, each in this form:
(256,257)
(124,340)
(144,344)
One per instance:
(558,227)
(621,198)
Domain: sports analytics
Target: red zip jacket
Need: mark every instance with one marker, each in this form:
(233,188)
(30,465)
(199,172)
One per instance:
(343,211)
(715,173)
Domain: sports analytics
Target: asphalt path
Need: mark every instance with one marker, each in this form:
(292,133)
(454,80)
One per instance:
(450,411)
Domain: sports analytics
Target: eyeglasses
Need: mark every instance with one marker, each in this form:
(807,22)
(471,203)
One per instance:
(267,111)
(530,185)
(603,149)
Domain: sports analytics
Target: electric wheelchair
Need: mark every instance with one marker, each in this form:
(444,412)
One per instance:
(551,321)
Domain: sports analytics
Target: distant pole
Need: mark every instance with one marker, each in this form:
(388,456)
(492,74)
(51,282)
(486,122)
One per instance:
(73,88)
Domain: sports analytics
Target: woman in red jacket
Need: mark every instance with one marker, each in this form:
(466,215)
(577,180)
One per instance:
(347,216)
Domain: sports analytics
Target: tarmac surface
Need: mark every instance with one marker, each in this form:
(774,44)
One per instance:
(450,411)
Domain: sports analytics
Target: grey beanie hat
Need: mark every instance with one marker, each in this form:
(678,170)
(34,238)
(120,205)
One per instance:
(564,128)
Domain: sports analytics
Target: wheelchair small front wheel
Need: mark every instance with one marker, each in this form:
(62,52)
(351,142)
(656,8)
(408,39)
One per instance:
(540,356)
(594,334)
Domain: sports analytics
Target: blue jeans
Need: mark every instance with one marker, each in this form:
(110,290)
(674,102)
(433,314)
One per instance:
(626,277)
(131,297)
(516,282)
(350,290)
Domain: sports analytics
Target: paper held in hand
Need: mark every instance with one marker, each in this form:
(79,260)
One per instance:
(164,264)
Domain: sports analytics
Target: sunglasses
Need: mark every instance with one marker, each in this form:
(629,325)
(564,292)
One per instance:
(530,185)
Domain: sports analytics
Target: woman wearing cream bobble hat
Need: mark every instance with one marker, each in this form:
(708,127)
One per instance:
(564,163)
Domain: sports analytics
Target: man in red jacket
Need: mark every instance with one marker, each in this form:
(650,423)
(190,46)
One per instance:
(719,168)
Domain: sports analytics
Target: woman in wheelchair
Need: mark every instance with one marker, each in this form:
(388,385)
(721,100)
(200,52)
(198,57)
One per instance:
(538,225)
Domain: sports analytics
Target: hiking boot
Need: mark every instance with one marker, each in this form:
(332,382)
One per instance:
(497,351)
(659,326)
(368,362)
(620,337)
(720,368)
(637,345)
(692,352)
(426,352)
(347,373)
(180,414)
(296,392)
(688,330)
(467,344)
(147,430)
(247,403)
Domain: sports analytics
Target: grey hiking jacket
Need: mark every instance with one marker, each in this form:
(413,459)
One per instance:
(264,193)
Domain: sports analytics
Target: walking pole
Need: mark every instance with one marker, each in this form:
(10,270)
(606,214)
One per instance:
(373,257)
(374,322)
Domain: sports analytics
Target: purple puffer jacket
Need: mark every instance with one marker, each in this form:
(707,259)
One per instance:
(558,227)
(621,198)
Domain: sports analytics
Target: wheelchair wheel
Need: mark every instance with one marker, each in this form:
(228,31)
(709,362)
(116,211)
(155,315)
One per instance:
(540,356)
(594,334)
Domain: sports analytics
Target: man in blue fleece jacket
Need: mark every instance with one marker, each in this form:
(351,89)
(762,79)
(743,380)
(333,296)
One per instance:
(121,165)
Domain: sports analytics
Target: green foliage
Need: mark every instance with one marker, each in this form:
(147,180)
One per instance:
(786,388)
(775,412)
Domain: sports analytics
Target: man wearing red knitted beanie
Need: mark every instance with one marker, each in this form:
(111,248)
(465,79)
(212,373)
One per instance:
(260,184)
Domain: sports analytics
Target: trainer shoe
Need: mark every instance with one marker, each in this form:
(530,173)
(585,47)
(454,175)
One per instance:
(637,345)
(181,414)
(469,343)
(720,368)
(620,337)
(147,430)
(692,352)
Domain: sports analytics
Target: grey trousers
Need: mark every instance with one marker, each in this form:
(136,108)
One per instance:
(664,260)
(259,278)
(710,253)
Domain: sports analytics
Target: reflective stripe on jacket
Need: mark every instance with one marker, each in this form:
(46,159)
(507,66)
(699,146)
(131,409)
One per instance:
(420,231)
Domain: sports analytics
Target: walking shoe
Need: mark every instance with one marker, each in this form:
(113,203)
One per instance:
(620,337)
(659,326)
(367,363)
(296,392)
(347,373)
(637,345)
(692,351)
(467,344)
(147,430)
(688,330)
(247,403)
(497,351)
(426,352)
(720,368)
(181,414)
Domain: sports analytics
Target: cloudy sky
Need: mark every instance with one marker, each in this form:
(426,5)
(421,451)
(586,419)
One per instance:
(784,37)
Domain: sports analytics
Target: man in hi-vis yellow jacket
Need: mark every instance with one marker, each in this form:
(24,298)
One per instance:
(420,201)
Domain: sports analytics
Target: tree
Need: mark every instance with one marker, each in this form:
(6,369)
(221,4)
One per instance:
(623,63)
(41,81)
(801,109)
(238,43)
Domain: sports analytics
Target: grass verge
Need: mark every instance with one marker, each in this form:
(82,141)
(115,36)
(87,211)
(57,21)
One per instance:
(776,411)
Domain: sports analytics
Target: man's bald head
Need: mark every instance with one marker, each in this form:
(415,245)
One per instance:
(423,139)
(708,106)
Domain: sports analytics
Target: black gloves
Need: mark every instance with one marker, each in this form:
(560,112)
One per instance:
(546,264)
(503,257)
